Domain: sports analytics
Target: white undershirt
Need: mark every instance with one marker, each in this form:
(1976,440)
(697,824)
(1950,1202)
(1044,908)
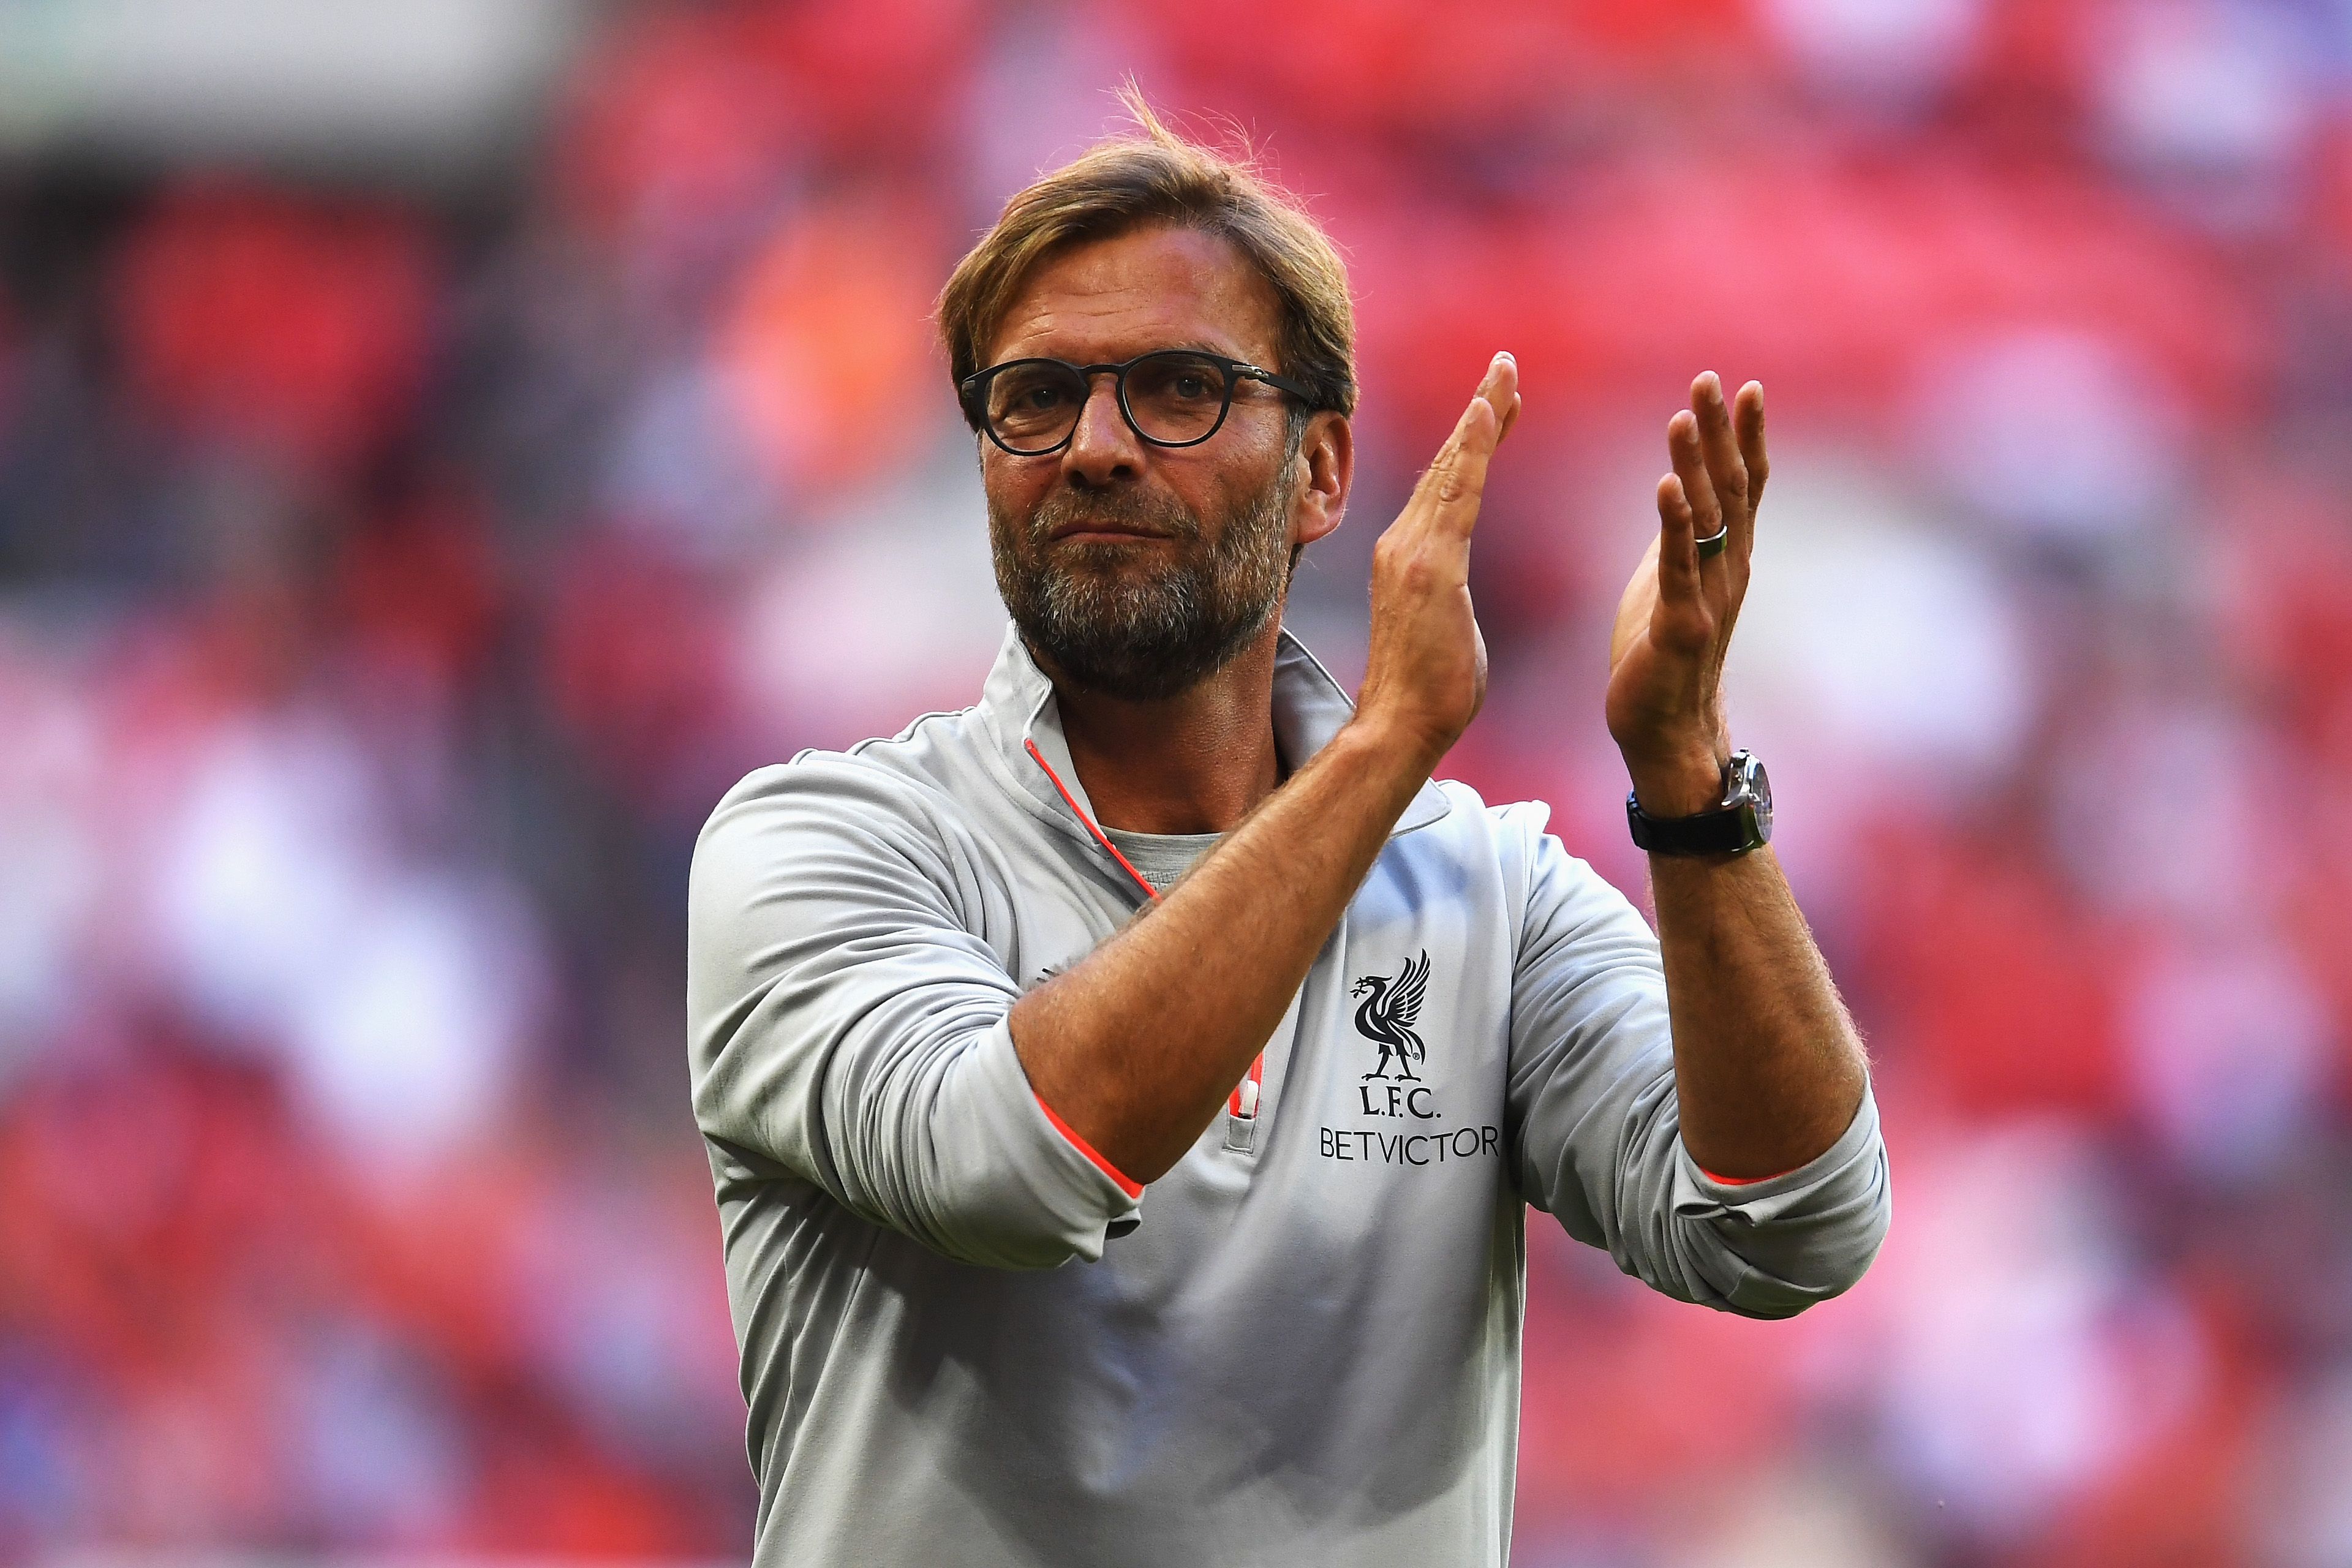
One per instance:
(1162,857)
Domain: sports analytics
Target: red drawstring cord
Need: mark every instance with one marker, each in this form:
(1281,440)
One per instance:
(1243,1101)
(1071,801)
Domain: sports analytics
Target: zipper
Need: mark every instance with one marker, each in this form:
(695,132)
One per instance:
(1241,1104)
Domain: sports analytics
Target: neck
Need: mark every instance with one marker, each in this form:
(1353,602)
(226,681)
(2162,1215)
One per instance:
(1194,763)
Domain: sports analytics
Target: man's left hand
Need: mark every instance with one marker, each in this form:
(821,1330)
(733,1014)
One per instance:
(1674,624)
(1767,1068)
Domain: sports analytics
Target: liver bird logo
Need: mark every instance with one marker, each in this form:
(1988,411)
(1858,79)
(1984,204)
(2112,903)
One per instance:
(1387,1013)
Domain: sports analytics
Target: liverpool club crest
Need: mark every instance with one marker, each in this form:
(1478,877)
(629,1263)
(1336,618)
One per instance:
(1387,1013)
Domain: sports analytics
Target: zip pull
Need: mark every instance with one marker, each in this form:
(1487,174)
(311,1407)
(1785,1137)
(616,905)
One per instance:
(1243,1102)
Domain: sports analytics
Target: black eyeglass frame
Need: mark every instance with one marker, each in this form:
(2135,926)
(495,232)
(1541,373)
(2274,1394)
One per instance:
(975,390)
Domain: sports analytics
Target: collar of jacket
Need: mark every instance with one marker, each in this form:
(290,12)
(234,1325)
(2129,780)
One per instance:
(1017,706)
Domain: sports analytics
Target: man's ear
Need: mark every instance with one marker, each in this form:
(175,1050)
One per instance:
(1327,452)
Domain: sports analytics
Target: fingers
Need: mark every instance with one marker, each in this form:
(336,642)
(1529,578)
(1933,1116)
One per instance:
(1717,452)
(1491,408)
(1456,479)
(1685,446)
(1499,389)
(1747,420)
(1719,447)
(1509,406)
(1678,563)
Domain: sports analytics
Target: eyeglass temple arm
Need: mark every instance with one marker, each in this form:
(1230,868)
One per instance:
(1280,383)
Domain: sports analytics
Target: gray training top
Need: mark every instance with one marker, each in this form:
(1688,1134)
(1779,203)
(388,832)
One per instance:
(965,1340)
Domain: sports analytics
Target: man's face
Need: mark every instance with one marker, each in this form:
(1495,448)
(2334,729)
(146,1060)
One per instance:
(1138,570)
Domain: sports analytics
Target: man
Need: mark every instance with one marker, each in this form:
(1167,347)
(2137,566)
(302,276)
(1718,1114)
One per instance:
(1085,1208)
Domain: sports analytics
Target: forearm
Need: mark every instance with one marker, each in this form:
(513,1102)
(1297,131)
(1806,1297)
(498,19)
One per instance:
(1768,1068)
(1137,1046)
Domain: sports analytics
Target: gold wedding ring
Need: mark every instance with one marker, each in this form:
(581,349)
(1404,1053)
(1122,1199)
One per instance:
(1713,544)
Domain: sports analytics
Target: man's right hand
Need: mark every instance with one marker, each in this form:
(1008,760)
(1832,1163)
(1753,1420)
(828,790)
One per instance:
(1426,672)
(1128,1048)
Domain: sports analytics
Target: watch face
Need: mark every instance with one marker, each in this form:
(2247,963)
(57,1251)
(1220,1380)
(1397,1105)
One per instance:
(1752,786)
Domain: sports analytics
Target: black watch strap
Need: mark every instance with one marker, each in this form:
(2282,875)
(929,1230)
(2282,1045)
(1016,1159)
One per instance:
(1742,822)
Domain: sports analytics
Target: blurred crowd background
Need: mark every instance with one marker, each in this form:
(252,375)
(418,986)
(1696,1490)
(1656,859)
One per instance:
(443,445)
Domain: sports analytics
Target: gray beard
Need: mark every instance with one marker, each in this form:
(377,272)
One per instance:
(1143,638)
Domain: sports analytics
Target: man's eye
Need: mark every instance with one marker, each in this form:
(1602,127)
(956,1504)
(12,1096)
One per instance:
(1043,397)
(1192,386)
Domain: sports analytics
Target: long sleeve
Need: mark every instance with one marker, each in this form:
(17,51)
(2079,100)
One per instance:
(847,1024)
(1596,1135)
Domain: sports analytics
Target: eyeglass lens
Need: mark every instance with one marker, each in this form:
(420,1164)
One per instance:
(1174,398)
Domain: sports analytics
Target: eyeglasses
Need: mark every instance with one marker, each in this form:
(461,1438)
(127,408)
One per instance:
(1173,398)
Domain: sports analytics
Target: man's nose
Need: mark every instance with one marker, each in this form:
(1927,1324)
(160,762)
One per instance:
(1104,448)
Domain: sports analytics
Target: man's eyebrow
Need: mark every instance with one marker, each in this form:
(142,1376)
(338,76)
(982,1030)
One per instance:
(1196,345)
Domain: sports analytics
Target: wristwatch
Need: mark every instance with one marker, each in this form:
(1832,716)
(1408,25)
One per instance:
(1740,821)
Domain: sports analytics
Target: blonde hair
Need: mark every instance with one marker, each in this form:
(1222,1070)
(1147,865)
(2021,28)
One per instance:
(1155,177)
